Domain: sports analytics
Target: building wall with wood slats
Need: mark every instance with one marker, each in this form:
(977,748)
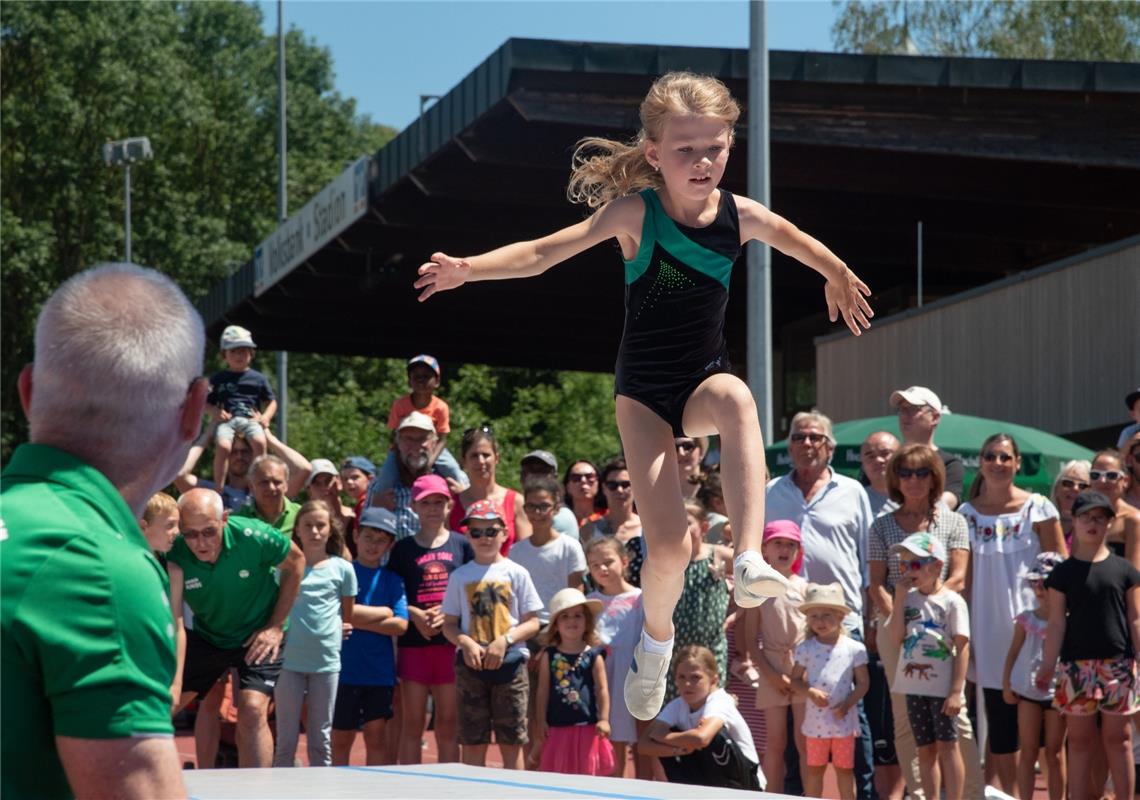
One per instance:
(1057,348)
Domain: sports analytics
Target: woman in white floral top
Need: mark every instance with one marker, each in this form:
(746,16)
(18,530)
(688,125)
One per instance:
(1008,528)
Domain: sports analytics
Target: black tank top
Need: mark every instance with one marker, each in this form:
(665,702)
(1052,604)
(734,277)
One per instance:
(676,293)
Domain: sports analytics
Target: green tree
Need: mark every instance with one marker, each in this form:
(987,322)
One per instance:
(199,79)
(1061,29)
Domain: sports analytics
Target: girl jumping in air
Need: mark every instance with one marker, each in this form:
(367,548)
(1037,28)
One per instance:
(679,235)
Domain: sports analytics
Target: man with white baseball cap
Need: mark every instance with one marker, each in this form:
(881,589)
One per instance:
(415,453)
(920,410)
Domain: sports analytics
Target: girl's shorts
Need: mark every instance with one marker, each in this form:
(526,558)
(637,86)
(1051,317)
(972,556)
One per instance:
(928,722)
(1107,685)
(432,665)
(841,752)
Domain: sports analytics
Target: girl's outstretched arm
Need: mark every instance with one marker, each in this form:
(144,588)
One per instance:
(622,218)
(846,294)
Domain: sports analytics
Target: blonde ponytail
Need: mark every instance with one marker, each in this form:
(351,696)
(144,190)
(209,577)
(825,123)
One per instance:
(603,169)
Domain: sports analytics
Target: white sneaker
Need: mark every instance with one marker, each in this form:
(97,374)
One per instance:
(756,580)
(645,682)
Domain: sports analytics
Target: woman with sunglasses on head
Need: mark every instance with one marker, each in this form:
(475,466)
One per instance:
(1108,476)
(1071,481)
(916,479)
(582,496)
(479,457)
(622,522)
(1008,528)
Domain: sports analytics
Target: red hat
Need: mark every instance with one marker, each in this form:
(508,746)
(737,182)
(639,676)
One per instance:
(786,529)
(483,509)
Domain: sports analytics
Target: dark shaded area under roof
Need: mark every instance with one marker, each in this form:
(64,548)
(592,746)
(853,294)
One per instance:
(1009,164)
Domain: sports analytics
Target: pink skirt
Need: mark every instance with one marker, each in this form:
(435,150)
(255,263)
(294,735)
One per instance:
(577,750)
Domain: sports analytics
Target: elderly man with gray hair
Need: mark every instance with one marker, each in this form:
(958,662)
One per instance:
(87,644)
(224,568)
(834,516)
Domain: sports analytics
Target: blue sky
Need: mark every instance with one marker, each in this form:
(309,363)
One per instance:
(388,53)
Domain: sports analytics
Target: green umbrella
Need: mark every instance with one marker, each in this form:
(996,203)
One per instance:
(1041,453)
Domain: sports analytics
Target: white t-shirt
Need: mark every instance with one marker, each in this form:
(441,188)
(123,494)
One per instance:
(719,703)
(549,566)
(831,669)
(1004,547)
(490,599)
(926,662)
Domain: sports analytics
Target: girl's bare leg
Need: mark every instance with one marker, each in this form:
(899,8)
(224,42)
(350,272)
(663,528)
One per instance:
(723,405)
(649,453)
(1055,754)
(1116,734)
(1083,740)
(1028,735)
(776,726)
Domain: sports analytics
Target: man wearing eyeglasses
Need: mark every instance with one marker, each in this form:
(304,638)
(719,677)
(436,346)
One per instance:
(415,454)
(87,648)
(834,516)
(920,411)
(223,567)
(690,452)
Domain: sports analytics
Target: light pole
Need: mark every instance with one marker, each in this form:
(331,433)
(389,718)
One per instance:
(123,154)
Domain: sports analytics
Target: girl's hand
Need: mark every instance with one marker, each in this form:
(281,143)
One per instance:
(841,710)
(845,296)
(442,273)
(953,705)
(424,627)
(603,728)
(1044,678)
(820,698)
(1008,695)
(345,630)
(781,683)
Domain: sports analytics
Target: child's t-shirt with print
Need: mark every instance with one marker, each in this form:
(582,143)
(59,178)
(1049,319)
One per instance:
(437,409)
(831,669)
(926,662)
(490,599)
(550,566)
(719,704)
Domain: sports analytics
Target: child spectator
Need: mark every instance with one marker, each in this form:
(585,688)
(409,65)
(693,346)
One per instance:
(426,660)
(554,561)
(932,626)
(573,694)
(423,380)
(159,523)
(368,661)
(619,627)
(1093,627)
(773,631)
(1132,402)
(320,620)
(828,662)
(490,610)
(1035,707)
(701,611)
(700,736)
(241,398)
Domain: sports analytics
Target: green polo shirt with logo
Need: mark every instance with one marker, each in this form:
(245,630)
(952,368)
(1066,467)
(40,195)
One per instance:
(234,596)
(283,523)
(86,631)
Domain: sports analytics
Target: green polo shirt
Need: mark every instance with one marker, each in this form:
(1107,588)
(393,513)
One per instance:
(283,523)
(86,632)
(234,596)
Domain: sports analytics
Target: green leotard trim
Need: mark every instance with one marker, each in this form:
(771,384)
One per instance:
(715,265)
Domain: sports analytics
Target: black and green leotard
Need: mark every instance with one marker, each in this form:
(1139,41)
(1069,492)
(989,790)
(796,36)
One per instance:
(676,294)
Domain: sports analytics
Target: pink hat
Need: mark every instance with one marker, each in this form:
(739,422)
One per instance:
(428,485)
(786,529)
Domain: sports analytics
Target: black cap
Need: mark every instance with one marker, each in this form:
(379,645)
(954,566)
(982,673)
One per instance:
(1131,398)
(1087,501)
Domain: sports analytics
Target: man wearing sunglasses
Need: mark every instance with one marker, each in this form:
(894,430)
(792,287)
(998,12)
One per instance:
(240,577)
(920,411)
(834,516)
(113,400)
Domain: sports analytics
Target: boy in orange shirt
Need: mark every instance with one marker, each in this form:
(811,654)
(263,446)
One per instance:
(423,380)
